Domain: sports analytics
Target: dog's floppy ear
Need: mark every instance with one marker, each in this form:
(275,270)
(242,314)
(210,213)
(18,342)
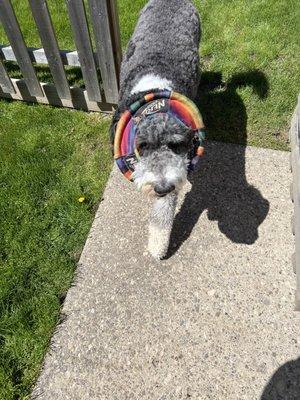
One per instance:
(190,134)
(113,126)
(112,133)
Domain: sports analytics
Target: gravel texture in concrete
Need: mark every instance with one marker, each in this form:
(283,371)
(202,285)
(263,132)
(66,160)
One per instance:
(215,321)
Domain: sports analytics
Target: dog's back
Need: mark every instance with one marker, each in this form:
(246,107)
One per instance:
(165,43)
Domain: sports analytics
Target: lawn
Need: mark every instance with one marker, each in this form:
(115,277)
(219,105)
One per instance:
(52,157)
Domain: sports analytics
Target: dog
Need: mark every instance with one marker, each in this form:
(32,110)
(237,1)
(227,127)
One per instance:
(162,57)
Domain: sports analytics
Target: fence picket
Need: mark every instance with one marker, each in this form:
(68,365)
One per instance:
(82,40)
(44,25)
(5,81)
(14,34)
(104,45)
(116,36)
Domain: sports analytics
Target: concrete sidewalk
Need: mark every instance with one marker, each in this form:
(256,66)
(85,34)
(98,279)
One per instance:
(214,321)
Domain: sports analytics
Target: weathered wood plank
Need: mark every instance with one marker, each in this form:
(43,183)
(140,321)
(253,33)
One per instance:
(79,98)
(5,81)
(14,34)
(116,36)
(82,40)
(38,55)
(295,164)
(105,54)
(44,25)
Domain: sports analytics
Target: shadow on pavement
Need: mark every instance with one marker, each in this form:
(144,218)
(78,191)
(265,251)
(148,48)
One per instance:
(285,383)
(219,185)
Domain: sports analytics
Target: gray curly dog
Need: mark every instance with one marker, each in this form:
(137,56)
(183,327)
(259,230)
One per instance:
(163,53)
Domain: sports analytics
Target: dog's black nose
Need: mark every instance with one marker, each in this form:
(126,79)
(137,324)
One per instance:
(163,189)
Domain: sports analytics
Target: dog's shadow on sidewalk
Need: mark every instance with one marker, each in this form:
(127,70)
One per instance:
(285,383)
(219,184)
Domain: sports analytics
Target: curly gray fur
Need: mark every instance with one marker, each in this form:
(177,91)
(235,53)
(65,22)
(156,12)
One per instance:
(165,43)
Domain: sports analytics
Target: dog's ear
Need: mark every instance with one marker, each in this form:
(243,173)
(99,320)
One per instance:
(190,135)
(112,132)
(113,125)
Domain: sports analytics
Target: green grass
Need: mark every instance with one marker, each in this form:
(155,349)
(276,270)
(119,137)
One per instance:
(51,157)
(254,46)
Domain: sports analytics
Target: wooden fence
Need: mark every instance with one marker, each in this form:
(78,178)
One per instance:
(98,95)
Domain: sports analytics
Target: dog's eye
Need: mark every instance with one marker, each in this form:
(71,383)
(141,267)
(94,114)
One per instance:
(142,146)
(176,147)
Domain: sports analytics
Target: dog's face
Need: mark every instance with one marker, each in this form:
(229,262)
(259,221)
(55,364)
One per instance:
(163,144)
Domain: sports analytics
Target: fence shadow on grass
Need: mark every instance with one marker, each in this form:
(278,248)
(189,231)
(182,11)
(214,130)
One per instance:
(219,185)
(285,383)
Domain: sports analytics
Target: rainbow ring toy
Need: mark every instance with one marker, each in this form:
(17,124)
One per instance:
(175,104)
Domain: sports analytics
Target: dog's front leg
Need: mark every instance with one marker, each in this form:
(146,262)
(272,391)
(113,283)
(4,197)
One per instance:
(161,222)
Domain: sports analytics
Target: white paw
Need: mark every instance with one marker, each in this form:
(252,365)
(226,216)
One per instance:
(158,243)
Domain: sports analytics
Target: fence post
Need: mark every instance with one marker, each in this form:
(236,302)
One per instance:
(295,165)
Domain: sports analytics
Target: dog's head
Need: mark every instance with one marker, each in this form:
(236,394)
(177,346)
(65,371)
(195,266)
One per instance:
(164,144)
